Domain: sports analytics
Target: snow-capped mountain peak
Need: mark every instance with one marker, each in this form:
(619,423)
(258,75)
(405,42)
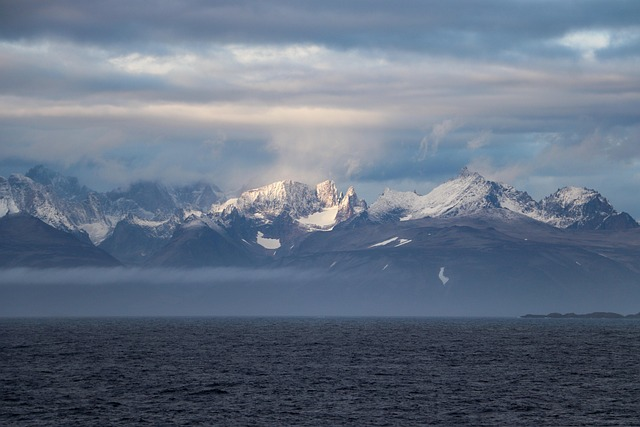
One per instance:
(140,218)
(327,194)
(579,207)
(313,208)
(468,193)
(270,201)
(394,205)
(350,206)
(568,197)
(37,200)
(63,203)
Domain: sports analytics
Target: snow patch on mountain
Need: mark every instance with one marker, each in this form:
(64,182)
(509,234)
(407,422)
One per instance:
(323,220)
(403,242)
(384,242)
(97,231)
(444,279)
(266,242)
(149,223)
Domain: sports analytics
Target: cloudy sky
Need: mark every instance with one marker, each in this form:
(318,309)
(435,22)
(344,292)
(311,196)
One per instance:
(375,94)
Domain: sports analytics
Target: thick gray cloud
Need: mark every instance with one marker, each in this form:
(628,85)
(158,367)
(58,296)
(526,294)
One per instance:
(464,26)
(401,94)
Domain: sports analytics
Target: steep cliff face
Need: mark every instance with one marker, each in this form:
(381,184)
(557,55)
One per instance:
(318,208)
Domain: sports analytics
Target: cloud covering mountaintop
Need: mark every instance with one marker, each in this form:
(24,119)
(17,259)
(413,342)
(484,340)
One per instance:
(539,94)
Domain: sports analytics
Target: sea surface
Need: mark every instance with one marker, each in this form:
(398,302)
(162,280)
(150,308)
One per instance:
(319,371)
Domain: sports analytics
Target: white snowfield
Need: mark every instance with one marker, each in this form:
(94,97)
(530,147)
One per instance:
(149,223)
(266,242)
(323,220)
(97,231)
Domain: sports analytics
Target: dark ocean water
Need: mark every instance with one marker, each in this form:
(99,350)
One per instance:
(316,371)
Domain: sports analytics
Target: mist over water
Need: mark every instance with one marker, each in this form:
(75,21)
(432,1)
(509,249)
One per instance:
(265,292)
(156,292)
(198,292)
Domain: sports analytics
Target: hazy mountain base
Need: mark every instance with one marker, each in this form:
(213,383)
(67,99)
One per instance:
(281,292)
(27,241)
(472,266)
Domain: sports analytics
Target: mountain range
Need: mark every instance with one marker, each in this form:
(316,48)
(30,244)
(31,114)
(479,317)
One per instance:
(469,240)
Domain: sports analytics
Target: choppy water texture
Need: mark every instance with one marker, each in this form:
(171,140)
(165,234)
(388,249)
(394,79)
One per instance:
(297,371)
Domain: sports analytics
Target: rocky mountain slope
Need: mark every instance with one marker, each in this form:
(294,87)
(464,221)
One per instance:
(27,241)
(66,205)
(153,223)
(318,208)
(468,244)
(582,208)
(470,194)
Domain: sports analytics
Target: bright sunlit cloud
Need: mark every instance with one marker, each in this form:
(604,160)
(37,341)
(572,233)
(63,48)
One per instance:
(136,63)
(247,54)
(587,42)
(590,42)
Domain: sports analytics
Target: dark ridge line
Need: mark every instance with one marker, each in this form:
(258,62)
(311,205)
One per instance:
(594,315)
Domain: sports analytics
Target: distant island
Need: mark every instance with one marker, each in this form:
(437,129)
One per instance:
(595,315)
